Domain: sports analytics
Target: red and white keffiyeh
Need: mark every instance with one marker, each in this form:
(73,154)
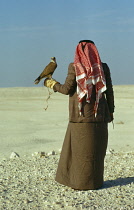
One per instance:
(89,72)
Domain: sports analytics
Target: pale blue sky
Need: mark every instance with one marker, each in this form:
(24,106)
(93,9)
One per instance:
(32,31)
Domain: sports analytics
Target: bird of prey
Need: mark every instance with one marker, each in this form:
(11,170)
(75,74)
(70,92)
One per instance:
(48,70)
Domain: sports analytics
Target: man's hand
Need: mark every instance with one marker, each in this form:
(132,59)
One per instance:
(49,83)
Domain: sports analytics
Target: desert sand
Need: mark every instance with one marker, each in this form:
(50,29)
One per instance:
(27,180)
(26,127)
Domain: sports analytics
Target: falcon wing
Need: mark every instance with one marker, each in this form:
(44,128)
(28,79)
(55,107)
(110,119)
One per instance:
(49,69)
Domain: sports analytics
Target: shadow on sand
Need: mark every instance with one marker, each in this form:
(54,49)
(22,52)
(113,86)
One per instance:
(118,182)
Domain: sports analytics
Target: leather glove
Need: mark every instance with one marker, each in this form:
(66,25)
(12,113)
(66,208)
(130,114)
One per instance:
(49,83)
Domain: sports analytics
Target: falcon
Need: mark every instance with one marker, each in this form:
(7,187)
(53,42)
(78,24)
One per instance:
(48,70)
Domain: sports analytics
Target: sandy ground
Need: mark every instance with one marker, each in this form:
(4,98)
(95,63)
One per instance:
(25,126)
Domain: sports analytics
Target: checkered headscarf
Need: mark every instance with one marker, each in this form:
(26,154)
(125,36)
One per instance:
(89,72)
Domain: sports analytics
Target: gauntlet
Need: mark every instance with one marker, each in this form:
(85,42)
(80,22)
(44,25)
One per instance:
(49,83)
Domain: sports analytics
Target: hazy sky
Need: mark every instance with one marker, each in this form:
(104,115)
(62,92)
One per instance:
(32,31)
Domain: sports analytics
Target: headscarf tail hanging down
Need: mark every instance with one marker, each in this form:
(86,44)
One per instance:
(89,72)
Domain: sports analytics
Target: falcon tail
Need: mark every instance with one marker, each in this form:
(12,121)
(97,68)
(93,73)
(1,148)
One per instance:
(37,80)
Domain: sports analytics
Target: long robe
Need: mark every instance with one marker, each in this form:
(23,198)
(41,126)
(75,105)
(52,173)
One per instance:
(81,164)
